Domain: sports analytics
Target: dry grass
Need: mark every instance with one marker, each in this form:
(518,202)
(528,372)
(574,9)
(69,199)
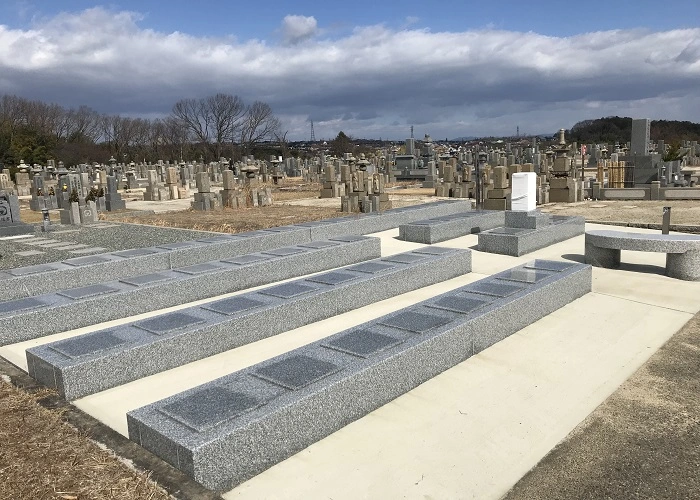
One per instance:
(42,457)
(233,220)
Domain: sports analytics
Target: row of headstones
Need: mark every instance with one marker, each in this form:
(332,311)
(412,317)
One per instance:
(233,195)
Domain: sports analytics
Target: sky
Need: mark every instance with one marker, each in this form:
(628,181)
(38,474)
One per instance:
(370,69)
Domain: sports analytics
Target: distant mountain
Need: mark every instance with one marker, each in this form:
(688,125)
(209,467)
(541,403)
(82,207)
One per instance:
(615,129)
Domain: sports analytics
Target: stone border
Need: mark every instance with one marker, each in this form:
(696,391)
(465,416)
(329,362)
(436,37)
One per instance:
(100,360)
(440,229)
(78,307)
(519,241)
(226,431)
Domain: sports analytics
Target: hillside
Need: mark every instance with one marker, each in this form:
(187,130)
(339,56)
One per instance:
(619,129)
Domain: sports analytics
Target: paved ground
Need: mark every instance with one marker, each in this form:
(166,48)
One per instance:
(642,442)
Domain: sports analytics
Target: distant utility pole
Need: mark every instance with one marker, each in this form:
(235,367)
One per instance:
(411,131)
(517,133)
(313,135)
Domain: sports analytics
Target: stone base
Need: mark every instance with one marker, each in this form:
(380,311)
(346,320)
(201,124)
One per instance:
(228,430)
(519,241)
(449,227)
(15,229)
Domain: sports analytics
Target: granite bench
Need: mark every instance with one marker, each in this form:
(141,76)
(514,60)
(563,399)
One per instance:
(682,250)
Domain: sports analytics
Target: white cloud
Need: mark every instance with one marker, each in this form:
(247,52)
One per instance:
(375,81)
(296,29)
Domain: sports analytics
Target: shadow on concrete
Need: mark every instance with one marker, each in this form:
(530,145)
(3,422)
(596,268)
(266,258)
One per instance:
(624,266)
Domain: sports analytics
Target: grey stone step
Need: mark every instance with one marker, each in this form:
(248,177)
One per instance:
(226,431)
(448,227)
(517,241)
(41,315)
(97,361)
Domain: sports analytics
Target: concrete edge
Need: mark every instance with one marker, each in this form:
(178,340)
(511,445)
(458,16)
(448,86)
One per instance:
(681,228)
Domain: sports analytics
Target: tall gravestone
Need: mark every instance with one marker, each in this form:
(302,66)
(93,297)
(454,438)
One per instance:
(113,200)
(10,224)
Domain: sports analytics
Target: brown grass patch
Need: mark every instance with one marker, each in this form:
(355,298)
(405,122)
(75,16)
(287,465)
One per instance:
(42,457)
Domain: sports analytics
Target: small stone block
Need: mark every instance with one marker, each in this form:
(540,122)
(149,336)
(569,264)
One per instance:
(549,265)
(370,267)
(296,372)
(209,407)
(281,252)
(246,259)
(288,290)
(233,305)
(525,275)
(87,291)
(404,258)
(458,304)
(29,253)
(85,261)
(332,278)
(168,323)
(136,252)
(198,269)
(87,344)
(25,271)
(20,305)
(176,246)
(145,279)
(362,343)
(415,322)
(319,244)
(493,288)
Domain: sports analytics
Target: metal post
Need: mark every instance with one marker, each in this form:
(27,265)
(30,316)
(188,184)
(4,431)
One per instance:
(666,223)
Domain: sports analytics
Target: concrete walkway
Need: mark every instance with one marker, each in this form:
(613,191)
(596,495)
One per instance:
(476,429)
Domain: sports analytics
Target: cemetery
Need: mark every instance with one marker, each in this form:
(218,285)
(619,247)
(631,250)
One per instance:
(336,355)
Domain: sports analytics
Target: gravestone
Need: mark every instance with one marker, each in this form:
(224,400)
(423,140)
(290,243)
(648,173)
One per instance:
(10,224)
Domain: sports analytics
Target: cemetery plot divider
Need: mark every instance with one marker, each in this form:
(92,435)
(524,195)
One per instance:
(226,431)
(97,361)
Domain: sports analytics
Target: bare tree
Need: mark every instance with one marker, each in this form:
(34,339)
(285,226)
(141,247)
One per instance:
(260,124)
(213,121)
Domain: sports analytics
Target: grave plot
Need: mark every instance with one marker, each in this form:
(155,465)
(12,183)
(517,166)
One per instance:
(41,315)
(81,271)
(525,232)
(439,229)
(90,363)
(381,221)
(226,431)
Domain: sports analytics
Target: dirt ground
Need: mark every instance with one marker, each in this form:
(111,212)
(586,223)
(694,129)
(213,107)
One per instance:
(42,457)
(647,212)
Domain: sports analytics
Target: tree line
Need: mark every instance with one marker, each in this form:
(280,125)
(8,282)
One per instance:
(209,127)
(615,129)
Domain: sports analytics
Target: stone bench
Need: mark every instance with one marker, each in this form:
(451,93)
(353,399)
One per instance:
(228,430)
(682,250)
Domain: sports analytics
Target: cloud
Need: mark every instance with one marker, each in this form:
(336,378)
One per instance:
(296,29)
(374,81)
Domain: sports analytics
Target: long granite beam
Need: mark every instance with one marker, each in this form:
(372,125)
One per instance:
(34,317)
(97,361)
(381,221)
(448,227)
(82,271)
(517,241)
(226,431)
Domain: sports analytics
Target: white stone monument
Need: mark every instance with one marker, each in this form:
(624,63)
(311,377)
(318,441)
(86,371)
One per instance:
(523,191)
